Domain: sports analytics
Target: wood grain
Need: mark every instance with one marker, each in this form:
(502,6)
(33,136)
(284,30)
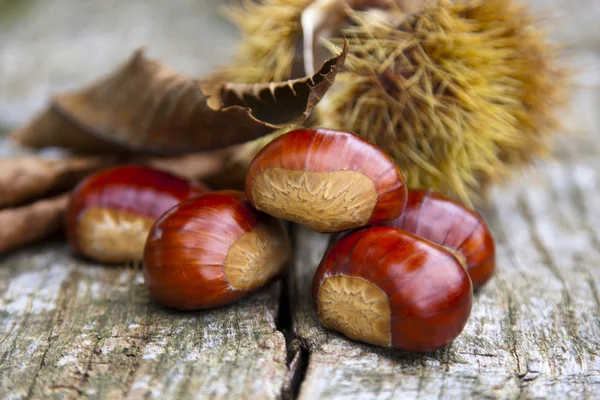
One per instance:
(70,328)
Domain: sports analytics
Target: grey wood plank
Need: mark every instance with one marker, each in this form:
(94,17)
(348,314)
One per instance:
(69,328)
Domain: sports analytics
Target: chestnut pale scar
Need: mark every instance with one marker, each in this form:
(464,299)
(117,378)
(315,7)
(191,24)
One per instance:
(258,256)
(324,201)
(357,308)
(111,236)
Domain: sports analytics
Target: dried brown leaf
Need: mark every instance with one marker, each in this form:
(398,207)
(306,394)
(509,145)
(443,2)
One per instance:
(148,107)
(191,166)
(24,179)
(28,178)
(27,224)
(50,129)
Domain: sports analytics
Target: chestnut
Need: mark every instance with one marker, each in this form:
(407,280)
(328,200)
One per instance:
(441,220)
(327,180)
(388,287)
(110,212)
(212,250)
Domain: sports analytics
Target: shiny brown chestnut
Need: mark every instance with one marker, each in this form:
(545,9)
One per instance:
(212,250)
(388,287)
(441,220)
(327,180)
(110,213)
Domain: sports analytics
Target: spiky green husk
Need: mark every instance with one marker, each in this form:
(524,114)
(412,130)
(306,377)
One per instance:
(271,30)
(458,94)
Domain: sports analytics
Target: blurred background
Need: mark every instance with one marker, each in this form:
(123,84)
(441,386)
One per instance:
(55,45)
(48,46)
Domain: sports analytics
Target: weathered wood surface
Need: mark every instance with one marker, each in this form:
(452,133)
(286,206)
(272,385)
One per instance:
(70,328)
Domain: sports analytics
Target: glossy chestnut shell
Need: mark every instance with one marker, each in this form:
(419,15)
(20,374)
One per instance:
(110,213)
(212,250)
(388,287)
(448,223)
(327,180)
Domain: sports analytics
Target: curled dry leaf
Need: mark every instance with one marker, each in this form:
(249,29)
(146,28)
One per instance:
(28,178)
(147,107)
(50,129)
(27,224)
(24,179)
(191,166)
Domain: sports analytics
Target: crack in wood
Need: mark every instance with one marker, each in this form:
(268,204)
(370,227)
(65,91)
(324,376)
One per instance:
(571,321)
(511,317)
(68,387)
(58,312)
(297,355)
(137,364)
(297,364)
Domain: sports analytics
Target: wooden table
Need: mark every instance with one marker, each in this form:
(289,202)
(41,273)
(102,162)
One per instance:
(70,328)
